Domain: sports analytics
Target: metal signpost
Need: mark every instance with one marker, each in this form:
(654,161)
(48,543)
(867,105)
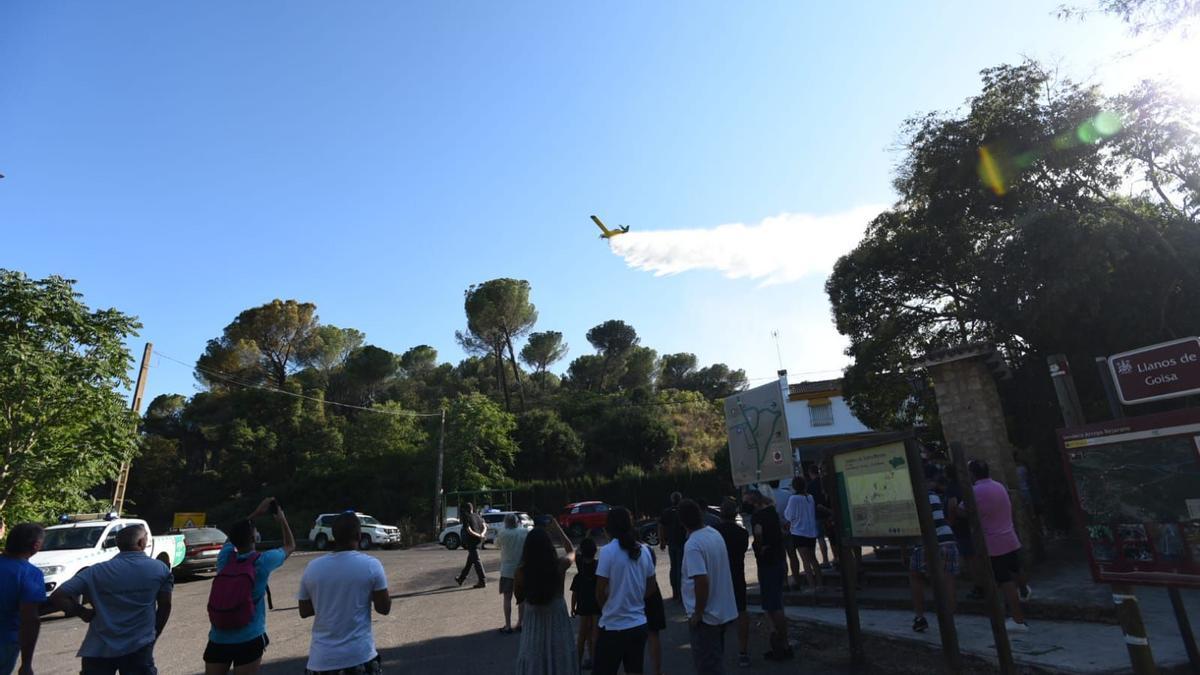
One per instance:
(760,448)
(879,500)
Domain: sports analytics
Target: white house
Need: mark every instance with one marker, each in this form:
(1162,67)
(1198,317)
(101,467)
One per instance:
(818,417)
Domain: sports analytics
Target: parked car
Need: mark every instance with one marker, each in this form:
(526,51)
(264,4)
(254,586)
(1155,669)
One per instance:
(74,546)
(647,530)
(202,546)
(579,518)
(451,535)
(374,533)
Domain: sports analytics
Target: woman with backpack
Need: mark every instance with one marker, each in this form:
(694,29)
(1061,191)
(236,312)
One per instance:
(237,606)
(547,641)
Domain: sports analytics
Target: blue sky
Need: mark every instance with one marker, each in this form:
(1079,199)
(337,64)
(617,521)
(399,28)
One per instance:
(185,161)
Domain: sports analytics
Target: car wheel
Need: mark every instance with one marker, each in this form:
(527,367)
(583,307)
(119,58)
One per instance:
(577,530)
(452,541)
(364,542)
(321,541)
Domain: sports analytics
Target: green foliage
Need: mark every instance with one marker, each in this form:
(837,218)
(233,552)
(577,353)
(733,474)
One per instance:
(63,424)
(479,447)
(1042,255)
(541,351)
(263,344)
(329,348)
(549,447)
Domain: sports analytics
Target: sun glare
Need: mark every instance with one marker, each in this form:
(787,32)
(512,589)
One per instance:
(1174,60)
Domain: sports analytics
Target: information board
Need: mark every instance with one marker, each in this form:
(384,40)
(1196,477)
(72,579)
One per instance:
(760,448)
(875,493)
(1137,487)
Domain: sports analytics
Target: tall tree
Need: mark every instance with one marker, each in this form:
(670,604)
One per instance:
(639,372)
(613,340)
(63,425)
(675,370)
(329,348)
(480,447)
(1012,227)
(543,350)
(499,312)
(267,343)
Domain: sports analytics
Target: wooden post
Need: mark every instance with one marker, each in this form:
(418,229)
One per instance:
(848,565)
(933,558)
(991,595)
(1185,628)
(139,390)
(1130,616)
(438,508)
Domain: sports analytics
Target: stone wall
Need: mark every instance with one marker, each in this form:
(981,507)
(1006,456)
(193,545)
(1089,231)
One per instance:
(971,414)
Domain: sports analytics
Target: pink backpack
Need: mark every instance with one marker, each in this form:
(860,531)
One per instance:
(231,600)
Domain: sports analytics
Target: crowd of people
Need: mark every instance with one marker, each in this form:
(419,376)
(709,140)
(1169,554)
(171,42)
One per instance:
(615,594)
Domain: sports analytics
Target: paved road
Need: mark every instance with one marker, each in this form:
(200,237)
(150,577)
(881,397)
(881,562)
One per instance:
(434,627)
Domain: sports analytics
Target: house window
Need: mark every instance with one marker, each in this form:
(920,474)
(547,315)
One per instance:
(820,414)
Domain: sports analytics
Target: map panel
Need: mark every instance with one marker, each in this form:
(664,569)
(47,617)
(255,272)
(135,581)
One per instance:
(760,448)
(876,494)
(1137,486)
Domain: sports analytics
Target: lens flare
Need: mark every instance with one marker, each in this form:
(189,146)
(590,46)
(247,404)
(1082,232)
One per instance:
(989,171)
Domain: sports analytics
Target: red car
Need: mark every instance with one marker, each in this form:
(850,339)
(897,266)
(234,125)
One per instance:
(582,517)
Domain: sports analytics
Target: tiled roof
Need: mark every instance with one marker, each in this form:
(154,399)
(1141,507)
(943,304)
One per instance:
(815,386)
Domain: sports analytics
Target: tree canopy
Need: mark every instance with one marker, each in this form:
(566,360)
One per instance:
(65,427)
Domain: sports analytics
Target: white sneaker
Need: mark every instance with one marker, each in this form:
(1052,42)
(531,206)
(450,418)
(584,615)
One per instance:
(1026,593)
(1014,627)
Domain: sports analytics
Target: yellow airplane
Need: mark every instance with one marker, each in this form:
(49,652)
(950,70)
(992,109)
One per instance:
(609,234)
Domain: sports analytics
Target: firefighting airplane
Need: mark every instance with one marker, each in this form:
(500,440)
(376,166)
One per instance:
(609,234)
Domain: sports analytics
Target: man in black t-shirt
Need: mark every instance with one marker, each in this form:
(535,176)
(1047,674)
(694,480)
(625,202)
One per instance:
(737,540)
(473,531)
(772,570)
(671,537)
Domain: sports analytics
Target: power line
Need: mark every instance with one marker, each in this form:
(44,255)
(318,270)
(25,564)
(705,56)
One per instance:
(249,385)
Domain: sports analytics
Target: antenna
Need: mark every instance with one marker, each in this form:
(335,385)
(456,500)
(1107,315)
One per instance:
(778,353)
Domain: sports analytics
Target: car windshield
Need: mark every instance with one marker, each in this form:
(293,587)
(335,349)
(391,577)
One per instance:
(70,538)
(367,520)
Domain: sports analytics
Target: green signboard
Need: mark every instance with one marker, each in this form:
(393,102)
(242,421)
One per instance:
(875,493)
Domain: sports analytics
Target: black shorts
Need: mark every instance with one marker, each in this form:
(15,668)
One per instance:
(656,613)
(739,595)
(1007,567)
(239,653)
(802,543)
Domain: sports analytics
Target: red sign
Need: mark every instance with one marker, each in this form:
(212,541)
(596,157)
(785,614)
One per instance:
(1165,370)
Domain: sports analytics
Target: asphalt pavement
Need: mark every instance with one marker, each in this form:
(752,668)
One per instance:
(435,626)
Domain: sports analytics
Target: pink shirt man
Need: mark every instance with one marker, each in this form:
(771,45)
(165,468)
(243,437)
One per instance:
(995,515)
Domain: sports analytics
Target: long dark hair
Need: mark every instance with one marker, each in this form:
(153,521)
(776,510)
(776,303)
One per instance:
(620,527)
(539,568)
(585,556)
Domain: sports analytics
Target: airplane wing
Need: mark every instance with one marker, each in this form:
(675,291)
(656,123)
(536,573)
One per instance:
(600,225)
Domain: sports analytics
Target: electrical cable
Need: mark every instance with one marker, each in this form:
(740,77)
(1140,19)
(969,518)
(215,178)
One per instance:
(232,380)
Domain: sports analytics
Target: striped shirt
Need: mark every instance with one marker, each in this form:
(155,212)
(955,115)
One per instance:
(944,532)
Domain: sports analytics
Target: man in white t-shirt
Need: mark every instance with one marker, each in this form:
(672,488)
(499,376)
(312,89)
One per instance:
(339,589)
(708,597)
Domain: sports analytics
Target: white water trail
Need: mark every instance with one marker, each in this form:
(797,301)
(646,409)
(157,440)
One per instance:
(780,249)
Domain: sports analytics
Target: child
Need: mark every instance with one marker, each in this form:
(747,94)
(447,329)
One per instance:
(583,600)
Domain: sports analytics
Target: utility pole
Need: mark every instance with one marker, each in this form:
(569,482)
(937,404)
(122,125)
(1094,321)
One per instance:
(139,390)
(437,489)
